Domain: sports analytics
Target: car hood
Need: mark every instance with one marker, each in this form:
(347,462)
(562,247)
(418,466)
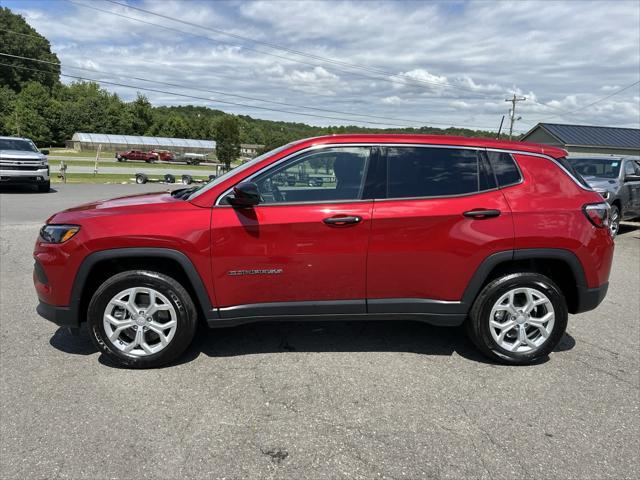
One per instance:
(21,155)
(601,183)
(116,206)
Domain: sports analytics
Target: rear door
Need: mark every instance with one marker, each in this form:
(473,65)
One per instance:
(442,216)
(303,249)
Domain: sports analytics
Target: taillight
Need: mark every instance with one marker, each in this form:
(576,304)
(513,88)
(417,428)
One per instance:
(598,214)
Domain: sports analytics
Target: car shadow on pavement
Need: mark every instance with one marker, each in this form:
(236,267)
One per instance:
(313,336)
(21,189)
(626,227)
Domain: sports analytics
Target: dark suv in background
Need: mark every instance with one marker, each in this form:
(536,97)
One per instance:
(617,179)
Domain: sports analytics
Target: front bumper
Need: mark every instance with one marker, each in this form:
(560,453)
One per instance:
(590,298)
(21,177)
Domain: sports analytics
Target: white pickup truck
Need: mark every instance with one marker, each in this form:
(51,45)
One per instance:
(21,163)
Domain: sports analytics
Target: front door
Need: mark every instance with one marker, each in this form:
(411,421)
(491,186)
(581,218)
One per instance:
(442,216)
(303,248)
(632,184)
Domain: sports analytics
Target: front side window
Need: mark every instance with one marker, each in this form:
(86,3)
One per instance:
(433,172)
(330,174)
(629,168)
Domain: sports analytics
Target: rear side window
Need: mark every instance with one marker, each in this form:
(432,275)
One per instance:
(432,172)
(505,168)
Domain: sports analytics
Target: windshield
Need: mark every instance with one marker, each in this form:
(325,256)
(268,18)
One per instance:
(596,167)
(17,144)
(233,171)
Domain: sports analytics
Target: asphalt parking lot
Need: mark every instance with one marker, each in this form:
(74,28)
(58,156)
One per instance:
(312,400)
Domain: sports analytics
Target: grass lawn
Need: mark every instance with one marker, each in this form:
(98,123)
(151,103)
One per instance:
(205,169)
(104,178)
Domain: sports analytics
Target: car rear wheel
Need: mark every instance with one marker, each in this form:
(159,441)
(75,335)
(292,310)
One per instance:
(518,318)
(141,319)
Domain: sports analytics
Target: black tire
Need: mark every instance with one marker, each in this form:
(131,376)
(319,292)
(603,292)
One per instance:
(478,327)
(187,180)
(187,317)
(615,220)
(44,187)
(168,178)
(141,178)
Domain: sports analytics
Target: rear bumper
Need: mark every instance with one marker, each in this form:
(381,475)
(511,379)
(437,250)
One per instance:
(590,298)
(62,316)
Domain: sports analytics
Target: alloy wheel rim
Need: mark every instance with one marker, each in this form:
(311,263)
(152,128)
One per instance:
(615,222)
(140,321)
(522,320)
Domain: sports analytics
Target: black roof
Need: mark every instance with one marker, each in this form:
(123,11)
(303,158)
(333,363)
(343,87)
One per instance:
(588,135)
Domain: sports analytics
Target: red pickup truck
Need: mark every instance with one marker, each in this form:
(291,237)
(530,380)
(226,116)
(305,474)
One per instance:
(148,157)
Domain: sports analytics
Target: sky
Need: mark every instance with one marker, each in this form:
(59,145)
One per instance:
(369,63)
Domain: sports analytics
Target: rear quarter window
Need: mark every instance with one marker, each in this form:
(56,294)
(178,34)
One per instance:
(504,168)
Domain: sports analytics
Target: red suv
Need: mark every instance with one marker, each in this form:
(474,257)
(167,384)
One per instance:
(148,157)
(502,236)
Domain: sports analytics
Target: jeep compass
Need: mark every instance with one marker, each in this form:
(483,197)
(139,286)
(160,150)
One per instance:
(503,237)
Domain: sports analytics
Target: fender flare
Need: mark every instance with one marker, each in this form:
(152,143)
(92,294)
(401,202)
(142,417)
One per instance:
(488,264)
(127,252)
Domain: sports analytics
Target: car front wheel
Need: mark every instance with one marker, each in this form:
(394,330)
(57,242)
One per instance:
(614,224)
(141,319)
(518,318)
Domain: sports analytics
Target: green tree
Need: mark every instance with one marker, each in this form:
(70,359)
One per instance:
(35,114)
(7,98)
(227,136)
(18,38)
(140,116)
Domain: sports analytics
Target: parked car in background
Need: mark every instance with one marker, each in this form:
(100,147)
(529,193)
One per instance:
(21,163)
(617,179)
(148,157)
(504,237)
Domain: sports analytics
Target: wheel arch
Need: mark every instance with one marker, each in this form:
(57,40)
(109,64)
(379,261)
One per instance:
(562,266)
(98,266)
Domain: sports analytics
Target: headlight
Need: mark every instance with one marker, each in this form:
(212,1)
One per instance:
(58,233)
(604,193)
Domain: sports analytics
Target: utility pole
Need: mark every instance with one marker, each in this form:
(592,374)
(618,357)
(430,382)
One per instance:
(512,112)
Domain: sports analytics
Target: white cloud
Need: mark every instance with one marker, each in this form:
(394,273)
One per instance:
(449,62)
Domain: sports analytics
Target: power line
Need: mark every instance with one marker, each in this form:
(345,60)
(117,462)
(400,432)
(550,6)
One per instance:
(391,77)
(238,96)
(194,97)
(568,112)
(309,55)
(290,50)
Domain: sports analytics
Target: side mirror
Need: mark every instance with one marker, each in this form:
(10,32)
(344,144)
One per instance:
(245,194)
(44,151)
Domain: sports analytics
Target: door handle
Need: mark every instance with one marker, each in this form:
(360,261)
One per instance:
(481,213)
(342,221)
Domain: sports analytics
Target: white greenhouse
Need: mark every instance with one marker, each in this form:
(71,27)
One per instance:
(110,142)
